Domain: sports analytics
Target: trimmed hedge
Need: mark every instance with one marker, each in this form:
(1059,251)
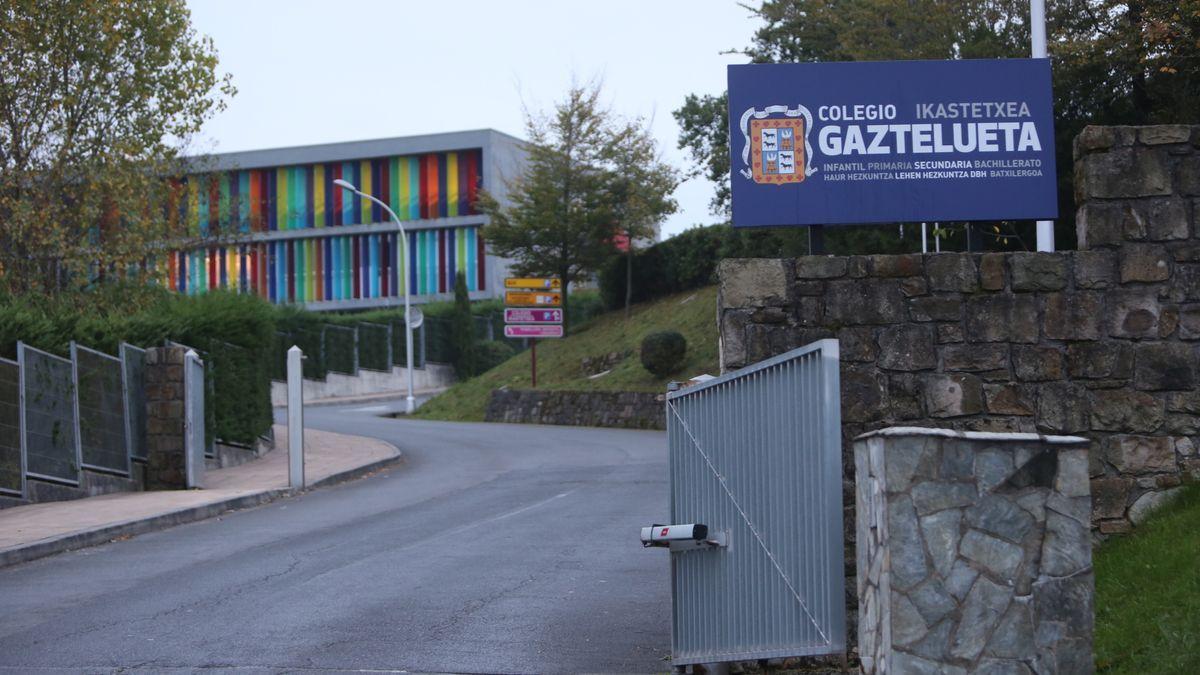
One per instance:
(236,332)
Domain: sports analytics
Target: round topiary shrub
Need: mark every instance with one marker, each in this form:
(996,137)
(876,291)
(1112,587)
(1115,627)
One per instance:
(490,354)
(663,352)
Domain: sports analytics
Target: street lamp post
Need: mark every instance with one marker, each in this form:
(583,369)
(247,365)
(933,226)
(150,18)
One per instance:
(411,401)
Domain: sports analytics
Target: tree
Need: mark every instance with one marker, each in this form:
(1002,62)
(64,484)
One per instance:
(640,185)
(586,180)
(1114,63)
(97,98)
(462,330)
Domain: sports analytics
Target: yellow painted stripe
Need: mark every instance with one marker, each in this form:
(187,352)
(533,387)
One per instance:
(451,195)
(366,187)
(318,195)
(281,198)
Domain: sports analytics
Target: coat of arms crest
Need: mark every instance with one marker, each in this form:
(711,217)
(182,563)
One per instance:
(776,149)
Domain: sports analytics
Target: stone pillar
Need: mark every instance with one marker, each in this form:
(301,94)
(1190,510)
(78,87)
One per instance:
(974,552)
(165,465)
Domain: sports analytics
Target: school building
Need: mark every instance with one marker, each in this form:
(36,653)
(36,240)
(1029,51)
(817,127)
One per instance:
(272,223)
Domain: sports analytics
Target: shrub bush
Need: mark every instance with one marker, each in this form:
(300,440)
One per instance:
(663,352)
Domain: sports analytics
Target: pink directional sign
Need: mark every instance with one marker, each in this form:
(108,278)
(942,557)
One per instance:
(533,315)
(533,331)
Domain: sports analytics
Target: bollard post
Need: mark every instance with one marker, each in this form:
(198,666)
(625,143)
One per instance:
(295,405)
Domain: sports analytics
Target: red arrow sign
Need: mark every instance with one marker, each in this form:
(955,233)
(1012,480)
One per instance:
(533,331)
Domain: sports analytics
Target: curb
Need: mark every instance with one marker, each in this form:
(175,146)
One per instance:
(76,540)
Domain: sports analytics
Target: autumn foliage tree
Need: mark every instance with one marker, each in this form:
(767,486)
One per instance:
(97,99)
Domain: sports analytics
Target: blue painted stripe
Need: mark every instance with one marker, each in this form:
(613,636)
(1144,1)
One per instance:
(472,281)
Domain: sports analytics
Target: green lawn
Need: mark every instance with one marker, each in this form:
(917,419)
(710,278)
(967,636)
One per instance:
(1148,594)
(692,313)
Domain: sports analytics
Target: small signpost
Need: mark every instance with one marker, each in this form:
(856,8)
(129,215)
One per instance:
(537,313)
(533,331)
(512,315)
(533,298)
(534,283)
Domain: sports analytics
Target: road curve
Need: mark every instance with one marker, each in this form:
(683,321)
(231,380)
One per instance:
(494,548)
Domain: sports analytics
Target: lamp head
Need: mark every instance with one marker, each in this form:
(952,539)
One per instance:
(345,185)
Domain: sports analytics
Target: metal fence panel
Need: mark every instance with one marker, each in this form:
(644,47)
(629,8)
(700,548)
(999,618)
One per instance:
(374,346)
(340,350)
(133,364)
(99,399)
(12,469)
(195,444)
(756,454)
(48,416)
(400,346)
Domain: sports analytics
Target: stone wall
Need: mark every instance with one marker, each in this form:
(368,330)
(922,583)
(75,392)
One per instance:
(1100,342)
(973,552)
(166,467)
(622,409)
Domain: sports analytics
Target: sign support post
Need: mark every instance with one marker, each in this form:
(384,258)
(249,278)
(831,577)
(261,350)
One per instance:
(533,361)
(1037,36)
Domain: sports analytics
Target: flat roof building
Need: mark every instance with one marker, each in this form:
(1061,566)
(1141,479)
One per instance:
(272,223)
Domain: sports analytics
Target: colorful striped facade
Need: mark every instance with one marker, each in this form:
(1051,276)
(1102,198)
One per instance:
(416,187)
(288,234)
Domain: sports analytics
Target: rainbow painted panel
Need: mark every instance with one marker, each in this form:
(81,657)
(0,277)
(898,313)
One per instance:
(346,267)
(435,185)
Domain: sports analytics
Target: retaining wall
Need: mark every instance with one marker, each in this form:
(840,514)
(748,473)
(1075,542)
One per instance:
(1101,342)
(368,382)
(621,409)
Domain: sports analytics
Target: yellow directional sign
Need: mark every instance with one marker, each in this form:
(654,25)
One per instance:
(533,298)
(534,283)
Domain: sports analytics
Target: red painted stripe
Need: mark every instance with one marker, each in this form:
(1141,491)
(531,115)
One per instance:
(473,186)
(212,269)
(335,171)
(434,197)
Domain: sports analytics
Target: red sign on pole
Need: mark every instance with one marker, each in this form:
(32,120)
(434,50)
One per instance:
(533,315)
(533,331)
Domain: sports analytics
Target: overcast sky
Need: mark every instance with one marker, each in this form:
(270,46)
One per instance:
(320,72)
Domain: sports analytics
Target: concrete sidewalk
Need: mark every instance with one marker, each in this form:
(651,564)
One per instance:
(38,530)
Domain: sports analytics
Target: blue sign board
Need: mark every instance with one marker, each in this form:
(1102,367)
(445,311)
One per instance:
(894,141)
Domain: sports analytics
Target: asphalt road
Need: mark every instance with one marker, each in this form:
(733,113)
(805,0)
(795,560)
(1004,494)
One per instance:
(494,548)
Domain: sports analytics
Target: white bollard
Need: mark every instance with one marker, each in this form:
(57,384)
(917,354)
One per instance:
(295,405)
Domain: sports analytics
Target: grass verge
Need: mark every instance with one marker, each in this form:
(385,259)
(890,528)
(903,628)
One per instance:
(692,313)
(1148,593)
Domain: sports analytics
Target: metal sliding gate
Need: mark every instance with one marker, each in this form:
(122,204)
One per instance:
(756,456)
